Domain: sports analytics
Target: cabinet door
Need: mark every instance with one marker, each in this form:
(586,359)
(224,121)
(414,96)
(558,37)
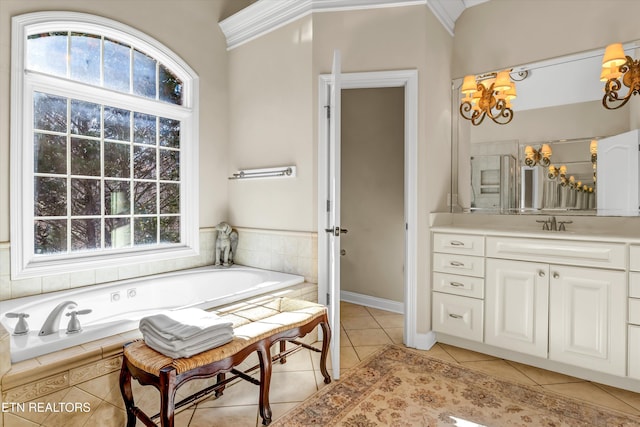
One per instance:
(516,306)
(587,318)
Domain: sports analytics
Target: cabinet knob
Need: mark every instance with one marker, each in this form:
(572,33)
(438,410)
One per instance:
(541,273)
(556,275)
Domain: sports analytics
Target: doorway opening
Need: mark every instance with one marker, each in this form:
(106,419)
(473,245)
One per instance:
(406,79)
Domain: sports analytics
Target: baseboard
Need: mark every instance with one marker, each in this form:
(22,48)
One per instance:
(425,341)
(373,302)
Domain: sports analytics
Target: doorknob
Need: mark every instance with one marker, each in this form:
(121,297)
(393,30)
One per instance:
(336,231)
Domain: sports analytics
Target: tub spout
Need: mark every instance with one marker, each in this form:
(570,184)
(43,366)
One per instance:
(52,324)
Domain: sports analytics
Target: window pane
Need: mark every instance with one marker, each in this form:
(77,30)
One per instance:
(117,124)
(49,112)
(117,65)
(85,197)
(85,157)
(144,198)
(47,53)
(117,232)
(170,165)
(85,234)
(144,75)
(85,118)
(85,58)
(170,229)
(169,198)
(50,196)
(50,153)
(169,133)
(145,231)
(170,87)
(50,236)
(144,162)
(144,128)
(116,160)
(116,198)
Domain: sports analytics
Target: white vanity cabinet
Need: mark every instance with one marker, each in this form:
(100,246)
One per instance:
(458,285)
(634,312)
(587,317)
(516,306)
(527,285)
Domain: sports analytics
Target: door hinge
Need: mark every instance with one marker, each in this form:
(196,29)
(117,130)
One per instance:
(328,299)
(328,107)
(328,205)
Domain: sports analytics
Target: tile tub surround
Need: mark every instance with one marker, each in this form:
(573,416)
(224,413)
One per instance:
(294,252)
(87,374)
(285,251)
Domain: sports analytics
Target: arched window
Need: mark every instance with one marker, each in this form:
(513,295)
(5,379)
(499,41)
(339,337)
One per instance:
(104,146)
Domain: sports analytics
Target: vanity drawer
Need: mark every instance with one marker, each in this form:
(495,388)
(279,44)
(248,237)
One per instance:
(458,285)
(634,352)
(634,311)
(458,316)
(634,285)
(569,252)
(634,258)
(459,264)
(463,244)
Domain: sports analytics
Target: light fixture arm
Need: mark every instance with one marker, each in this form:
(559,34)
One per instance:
(488,105)
(630,78)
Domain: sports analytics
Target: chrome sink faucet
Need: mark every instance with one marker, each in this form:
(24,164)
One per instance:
(551,224)
(52,324)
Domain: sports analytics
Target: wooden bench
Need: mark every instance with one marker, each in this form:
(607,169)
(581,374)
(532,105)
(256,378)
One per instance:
(257,326)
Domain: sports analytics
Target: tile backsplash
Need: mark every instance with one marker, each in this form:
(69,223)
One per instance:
(285,251)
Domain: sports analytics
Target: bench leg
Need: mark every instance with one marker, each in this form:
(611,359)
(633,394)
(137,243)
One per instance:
(167,396)
(264,357)
(326,339)
(127,394)
(220,378)
(283,347)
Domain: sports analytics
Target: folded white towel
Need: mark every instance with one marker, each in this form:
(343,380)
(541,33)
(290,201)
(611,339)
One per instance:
(178,349)
(201,338)
(185,323)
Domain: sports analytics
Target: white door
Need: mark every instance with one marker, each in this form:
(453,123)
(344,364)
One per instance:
(587,318)
(332,228)
(516,303)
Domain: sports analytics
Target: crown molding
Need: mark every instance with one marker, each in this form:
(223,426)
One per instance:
(447,11)
(265,16)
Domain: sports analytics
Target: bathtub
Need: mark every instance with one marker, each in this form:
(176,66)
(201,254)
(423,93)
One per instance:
(117,307)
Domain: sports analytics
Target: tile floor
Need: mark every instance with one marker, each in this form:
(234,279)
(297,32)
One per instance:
(363,331)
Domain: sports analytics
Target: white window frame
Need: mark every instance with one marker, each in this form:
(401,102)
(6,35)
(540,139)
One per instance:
(24,263)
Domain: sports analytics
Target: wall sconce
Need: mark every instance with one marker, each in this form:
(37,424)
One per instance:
(615,64)
(534,157)
(489,95)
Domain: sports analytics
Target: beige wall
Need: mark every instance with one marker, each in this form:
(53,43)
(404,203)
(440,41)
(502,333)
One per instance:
(189,29)
(370,40)
(271,117)
(503,33)
(372,202)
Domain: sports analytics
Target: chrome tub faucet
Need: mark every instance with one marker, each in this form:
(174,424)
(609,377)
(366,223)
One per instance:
(52,324)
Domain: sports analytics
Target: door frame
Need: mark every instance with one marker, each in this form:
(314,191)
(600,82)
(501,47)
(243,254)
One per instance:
(408,79)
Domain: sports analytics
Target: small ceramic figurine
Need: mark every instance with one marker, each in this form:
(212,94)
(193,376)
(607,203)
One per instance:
(226,244)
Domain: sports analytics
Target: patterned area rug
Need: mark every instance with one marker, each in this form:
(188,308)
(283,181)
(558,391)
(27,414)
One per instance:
(401,387)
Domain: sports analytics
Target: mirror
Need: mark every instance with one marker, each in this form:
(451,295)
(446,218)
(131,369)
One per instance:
(559,108)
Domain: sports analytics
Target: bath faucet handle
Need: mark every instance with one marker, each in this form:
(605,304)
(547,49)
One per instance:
(562,227)
(22,328)
(545,223)
(74,324)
